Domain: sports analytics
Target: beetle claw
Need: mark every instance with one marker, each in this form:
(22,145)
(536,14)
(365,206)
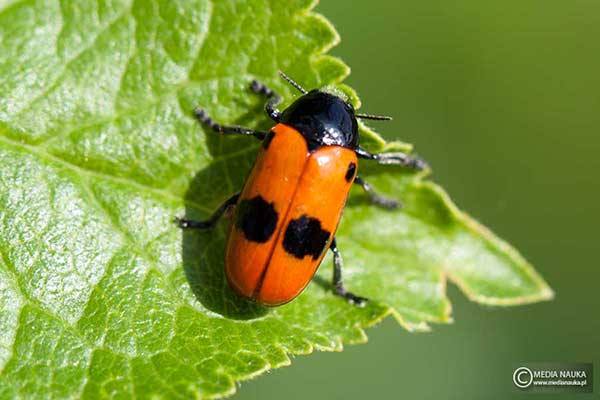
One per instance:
(356,300)
(181,222)
(351,297)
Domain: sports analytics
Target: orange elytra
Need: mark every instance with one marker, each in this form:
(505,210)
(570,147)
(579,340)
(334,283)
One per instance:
(289,209)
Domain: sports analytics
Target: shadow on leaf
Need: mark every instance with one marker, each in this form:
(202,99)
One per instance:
(203,251)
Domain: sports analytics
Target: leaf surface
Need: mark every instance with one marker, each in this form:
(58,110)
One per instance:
(100,294)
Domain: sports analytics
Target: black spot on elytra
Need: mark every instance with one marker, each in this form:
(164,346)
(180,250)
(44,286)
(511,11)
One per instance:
(350,172)
(305,237)
(267,140)
(257,219)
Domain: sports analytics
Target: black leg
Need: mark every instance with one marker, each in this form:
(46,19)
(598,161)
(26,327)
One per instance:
(212,221)
(376,198)
(273,99)
(393,159)
(340,290)
(206,120)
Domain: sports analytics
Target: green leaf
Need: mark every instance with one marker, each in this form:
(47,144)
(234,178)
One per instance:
(100,294)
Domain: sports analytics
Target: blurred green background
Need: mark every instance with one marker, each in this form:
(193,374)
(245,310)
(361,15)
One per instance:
(503,99)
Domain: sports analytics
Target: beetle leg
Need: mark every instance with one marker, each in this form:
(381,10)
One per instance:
(396,158)
(206,120)
(273,99)
(376,198)
(212,221)
(340,290)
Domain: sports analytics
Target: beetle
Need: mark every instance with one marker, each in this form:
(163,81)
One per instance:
(289,209)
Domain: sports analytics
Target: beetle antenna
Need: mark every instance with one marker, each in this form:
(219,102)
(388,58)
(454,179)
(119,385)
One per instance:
(374,117)
(291,82)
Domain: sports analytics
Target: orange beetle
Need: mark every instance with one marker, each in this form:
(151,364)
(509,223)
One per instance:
(289,209)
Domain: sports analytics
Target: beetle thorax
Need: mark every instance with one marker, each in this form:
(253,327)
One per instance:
(323,119)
